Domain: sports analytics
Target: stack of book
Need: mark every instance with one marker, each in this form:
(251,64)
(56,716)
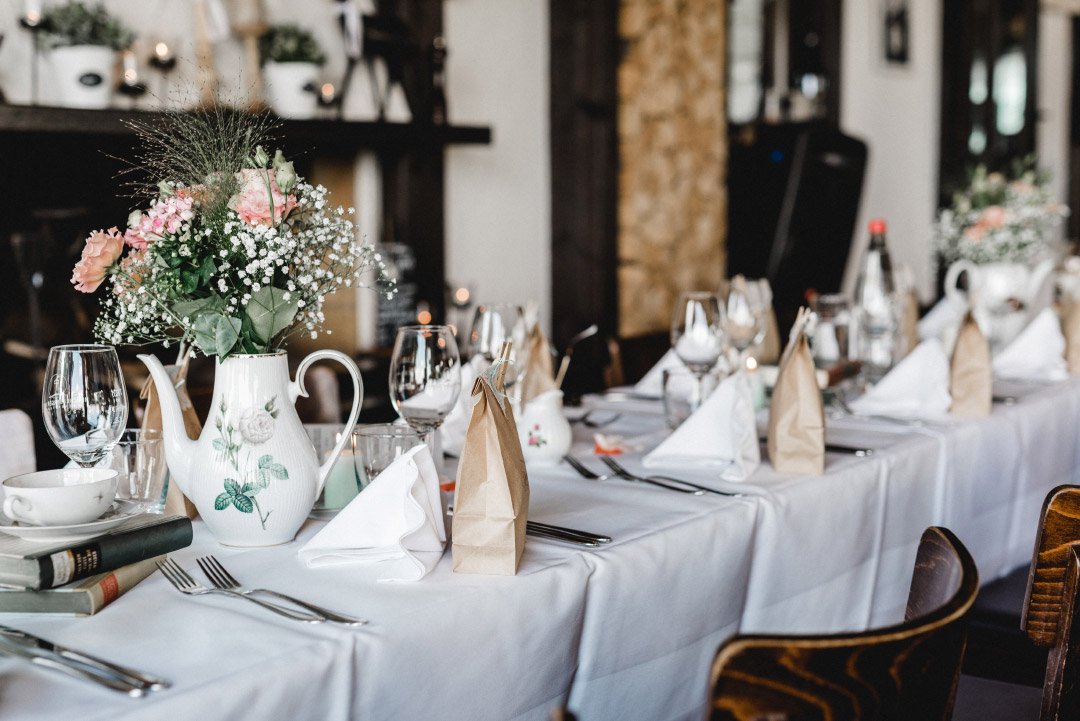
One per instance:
(85,576)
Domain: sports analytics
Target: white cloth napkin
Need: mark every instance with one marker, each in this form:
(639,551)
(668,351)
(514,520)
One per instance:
(651,384)
(942,321)
(917,387)
(1038,353)
(722,432)
(452,431)
(396,522)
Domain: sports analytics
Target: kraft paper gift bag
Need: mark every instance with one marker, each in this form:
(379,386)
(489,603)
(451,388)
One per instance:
(909,322)
(175,500)
(971,375)
(491,503)
(797,415)
(1070,326)
(539,374)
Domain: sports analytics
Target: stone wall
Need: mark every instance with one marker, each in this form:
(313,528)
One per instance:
(672,154)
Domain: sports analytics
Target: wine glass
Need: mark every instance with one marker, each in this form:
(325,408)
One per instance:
(84,401)
(425,378)
(492,325)
(697,335)
(744,317)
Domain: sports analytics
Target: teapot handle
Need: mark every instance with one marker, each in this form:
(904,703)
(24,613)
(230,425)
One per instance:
(296,389)
(953,293)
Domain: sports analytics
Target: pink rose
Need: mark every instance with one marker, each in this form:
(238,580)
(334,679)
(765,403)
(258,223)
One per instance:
(253,202)
(993,217)
(102,249)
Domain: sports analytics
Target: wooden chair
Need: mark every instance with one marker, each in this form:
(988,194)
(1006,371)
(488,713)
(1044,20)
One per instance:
(905,672)
(1051,620)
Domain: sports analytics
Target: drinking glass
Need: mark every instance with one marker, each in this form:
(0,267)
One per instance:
(376,446)
(425,378)
(829,341)
(697,334)
(492,325)
(682,387)
(744,317)
(342,482)
(139,461)
(84,401)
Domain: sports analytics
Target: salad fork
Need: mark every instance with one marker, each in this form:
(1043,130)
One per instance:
(222,579)
(182,581)
(665,481)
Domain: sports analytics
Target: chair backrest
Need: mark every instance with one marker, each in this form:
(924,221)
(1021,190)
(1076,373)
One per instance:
(17,450)
(1051,615)
(905,672)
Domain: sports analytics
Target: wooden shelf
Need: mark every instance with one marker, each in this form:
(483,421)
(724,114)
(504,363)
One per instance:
(325,135)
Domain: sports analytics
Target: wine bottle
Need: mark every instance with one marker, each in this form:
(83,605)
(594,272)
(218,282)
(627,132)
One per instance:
(876,306)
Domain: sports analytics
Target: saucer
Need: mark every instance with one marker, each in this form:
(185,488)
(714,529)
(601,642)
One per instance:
(119,512)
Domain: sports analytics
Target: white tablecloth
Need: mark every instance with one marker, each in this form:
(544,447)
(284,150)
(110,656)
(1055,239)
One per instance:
(626,632)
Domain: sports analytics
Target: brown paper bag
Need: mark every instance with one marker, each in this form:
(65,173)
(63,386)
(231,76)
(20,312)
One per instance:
(971,375)
(175,500)
(769,350)
(1070,326)
(797,415)
(491,502)
(909,322)
(539,375)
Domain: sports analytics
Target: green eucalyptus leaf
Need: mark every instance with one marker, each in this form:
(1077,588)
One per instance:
(222,502)
(231,487)
(270,313)
(243,504)
(226,333)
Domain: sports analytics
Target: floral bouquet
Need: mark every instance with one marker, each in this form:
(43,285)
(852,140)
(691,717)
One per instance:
(235,253)
(998,219)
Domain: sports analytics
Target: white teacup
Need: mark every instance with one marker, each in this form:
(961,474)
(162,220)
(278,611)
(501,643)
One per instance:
(63,497)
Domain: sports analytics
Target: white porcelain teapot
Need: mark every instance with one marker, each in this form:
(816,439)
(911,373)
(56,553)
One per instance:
(543,430)
(1003,297)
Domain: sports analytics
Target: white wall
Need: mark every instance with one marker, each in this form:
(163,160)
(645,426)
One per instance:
(896,111)
(1055,95)
(498,197)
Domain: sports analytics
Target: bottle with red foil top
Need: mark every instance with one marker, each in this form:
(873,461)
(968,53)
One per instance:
(877,307)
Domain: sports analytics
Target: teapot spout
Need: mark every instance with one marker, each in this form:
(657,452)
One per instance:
(179,449)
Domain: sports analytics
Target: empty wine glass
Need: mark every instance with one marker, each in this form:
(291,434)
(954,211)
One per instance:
(493,324)
(84,401)
(744,317)
(697,334)
(425,378)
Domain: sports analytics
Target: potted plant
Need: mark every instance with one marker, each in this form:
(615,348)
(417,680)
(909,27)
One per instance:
(82,42)
(291,58)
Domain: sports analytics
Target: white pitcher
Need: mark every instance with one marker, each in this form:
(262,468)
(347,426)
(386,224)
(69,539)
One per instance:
(543,430)
(1004,297)
(253,473)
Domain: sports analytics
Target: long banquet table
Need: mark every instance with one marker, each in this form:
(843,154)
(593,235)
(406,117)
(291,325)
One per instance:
(625,632)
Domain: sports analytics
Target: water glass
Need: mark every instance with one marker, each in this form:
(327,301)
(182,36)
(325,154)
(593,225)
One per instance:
(142,475)
(829,341)
(697,333)
(684,390)
(376,446)
(84,401)
(342,483)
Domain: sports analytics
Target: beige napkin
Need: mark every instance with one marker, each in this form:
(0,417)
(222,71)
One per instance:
(1038,353)
(916,387)
(971,376)
(396,523)
(721,433)
(491,503)
(175,500)
(797,415)
(1070,325)
(538,376)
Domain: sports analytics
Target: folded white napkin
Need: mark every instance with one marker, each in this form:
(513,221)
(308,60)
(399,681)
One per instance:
(396,522)
(1038,353)
(651,384)
(722,432)
(452,431)
(942,321)
(917,387)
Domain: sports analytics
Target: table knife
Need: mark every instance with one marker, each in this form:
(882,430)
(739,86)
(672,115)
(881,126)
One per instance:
(587,535)
(565,538)
(71,668)
(131,676)
(853,450)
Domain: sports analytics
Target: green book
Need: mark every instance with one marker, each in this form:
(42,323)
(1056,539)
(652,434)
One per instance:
(82,598)
(35,565)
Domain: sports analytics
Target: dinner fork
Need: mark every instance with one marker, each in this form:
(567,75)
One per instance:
(694,488)
(221,578)
(586,473)
(184,583)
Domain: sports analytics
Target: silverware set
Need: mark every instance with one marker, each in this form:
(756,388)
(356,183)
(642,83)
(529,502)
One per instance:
(566,535)
(621,472)
(223,583)
(80,665)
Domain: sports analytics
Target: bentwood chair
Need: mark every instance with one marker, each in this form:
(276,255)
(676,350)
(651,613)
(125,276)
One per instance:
(905,672)
(1050,619)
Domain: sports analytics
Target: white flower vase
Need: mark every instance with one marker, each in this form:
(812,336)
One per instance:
(543,430)
(292,89)
(253,473)
(83,75)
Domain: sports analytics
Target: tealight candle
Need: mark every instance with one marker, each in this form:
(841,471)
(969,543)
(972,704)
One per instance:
(341,486)
(757,386)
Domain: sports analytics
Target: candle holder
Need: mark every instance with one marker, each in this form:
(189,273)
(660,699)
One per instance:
(163,60)
(34,23)
(130,86)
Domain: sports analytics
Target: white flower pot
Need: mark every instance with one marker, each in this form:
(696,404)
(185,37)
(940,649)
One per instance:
(292,89)
(83,75)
